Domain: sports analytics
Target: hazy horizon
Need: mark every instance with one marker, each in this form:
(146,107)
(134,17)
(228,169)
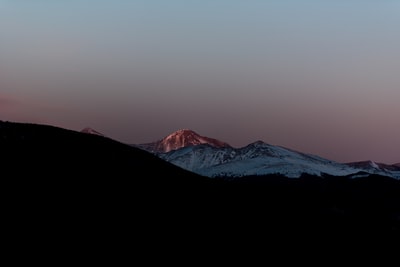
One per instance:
(320,77)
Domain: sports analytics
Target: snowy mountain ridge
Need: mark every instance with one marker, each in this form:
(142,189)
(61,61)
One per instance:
(377,168)
(255,159)
(213,159)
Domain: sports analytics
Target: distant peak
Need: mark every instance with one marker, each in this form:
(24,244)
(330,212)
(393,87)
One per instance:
(368,164)
(182,138)
(89,130)
(258,143)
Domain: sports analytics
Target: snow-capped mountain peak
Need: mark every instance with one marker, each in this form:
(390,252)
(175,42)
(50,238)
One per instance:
(89,130)
(180,139)
(210,157)
(258,143)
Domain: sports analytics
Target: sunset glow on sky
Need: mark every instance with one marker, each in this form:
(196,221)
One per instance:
(321,77)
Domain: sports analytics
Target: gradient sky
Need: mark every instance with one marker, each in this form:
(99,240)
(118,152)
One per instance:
(322,77)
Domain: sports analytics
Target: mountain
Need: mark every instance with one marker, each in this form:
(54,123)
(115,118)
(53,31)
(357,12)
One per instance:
(52,152)
(372,167)
(257,158)
(86,189)
(179,139)
(211,158)
(89,130)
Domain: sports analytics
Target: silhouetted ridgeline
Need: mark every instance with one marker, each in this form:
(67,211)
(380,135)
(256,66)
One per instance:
(72,176)
(49,151)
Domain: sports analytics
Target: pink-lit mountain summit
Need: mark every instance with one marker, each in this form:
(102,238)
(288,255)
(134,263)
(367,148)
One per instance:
(180,139)
(211,157)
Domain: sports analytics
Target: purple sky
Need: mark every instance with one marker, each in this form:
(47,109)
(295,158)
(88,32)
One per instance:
(321,77)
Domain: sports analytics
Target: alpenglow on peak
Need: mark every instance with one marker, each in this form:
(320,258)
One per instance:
(179,139)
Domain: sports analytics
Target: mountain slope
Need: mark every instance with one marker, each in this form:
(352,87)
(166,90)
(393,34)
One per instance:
(179,139)
(57,153)
(262,159)
(377,168)
(73,185)
(213,158)
(257,158)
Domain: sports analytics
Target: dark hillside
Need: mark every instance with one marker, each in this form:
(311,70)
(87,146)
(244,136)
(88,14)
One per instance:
(54,152)
(57,179)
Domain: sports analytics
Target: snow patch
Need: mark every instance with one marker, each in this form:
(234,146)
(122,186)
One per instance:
(374,165)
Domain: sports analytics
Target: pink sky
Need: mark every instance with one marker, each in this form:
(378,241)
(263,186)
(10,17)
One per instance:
(320,77)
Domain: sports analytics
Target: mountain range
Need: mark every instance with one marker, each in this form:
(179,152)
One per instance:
(214,158)
(73,184)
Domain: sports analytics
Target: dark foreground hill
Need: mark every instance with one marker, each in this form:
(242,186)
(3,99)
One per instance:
(73,182)
(39,151)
